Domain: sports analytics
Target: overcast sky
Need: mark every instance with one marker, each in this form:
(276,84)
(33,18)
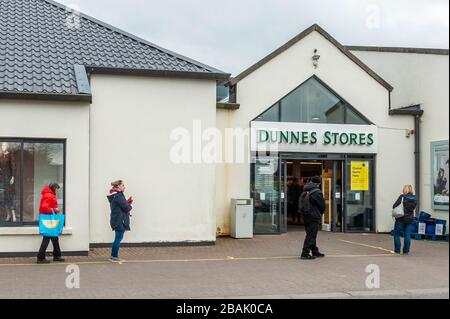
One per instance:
(234,34)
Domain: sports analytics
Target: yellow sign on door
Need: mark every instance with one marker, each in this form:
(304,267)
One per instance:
(359,176)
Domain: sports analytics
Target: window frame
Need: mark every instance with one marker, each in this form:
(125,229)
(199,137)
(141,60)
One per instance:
(315,77)
(32,140)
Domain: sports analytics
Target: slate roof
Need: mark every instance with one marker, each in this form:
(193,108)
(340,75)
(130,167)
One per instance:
(41,43)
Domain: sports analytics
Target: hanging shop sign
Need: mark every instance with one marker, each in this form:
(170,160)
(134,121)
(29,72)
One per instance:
(313,138)
(359,176)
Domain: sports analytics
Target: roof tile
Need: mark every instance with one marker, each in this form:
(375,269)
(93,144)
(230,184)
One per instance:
(38,49)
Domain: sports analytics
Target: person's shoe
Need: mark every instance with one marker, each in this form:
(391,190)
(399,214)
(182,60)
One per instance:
(405,254)
(115,259)
(43,261)
(307,257)
(59,259)
(318,255)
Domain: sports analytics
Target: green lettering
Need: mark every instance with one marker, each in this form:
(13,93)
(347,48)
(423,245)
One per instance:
(284,137)
(370,139)
(335,136)
(362,138)
(295,136)
(353,138)
(304,137)
(327,138)
(263,136)
(272,133)
(344,138)
(313,138)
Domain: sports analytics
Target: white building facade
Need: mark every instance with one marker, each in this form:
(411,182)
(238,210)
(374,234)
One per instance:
(294,87)
(317,106)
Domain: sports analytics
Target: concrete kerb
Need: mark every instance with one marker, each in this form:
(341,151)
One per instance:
(442,293)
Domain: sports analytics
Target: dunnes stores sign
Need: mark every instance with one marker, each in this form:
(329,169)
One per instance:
(313,138)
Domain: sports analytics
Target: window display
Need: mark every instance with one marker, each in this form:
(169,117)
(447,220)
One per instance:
(26,166)
(8,178)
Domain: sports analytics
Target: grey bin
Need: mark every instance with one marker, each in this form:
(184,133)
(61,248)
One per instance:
(241,218)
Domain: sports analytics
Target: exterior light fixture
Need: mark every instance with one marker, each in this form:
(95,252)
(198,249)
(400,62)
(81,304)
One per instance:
(316,59)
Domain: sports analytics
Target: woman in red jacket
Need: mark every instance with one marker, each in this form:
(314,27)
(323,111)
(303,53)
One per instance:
(49,203)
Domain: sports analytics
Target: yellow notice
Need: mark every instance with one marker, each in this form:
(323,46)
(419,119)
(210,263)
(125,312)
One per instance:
(359,176)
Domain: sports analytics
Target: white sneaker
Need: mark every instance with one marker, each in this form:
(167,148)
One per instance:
(116,260)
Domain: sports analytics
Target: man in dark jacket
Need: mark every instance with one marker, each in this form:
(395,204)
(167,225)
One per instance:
(312,207)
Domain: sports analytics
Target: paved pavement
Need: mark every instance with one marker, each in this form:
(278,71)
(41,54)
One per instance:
(263,267)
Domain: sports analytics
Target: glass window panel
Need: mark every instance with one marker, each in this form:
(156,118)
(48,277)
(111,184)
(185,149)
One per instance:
(271,115)
(312,102)
(335,115)
(291,106)
(353,118)
(42,165)
(9,182)
(265,194)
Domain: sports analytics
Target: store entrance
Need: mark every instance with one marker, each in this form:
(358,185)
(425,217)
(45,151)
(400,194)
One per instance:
(348,185)
(295,174)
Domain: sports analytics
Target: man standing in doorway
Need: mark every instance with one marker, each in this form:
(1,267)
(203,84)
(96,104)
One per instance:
(312,207)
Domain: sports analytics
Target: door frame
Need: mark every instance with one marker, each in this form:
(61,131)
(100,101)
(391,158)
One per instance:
(372,159)
(282,215)
(336,158)
(334,228)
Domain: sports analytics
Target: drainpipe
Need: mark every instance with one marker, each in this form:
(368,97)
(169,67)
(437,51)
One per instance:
(417,159)
(417,112)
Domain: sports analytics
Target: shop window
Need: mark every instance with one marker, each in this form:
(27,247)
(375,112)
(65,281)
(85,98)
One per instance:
(353,118)
(312,102)
(26,166)
(271,115)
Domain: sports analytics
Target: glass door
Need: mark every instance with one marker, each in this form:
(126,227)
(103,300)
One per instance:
(327,219)
(359,195)
(266,195)
(283,197)
(338,196)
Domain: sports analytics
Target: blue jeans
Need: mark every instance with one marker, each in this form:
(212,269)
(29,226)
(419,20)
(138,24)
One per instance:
(407,230)
(116,244)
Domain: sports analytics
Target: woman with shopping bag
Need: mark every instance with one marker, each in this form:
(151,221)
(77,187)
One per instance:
(51,223)
(403,212)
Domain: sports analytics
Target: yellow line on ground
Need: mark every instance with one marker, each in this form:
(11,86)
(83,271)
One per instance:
(58,264)
(149,261)
(365,245)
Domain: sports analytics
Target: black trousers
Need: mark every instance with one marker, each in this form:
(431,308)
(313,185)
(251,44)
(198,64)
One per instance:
(44,245)
(312,228)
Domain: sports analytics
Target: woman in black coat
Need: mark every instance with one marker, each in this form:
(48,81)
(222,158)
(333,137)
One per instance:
(120,216)
(405,224)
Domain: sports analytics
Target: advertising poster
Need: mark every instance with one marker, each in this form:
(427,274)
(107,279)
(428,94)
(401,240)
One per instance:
(439,166)
(359,176)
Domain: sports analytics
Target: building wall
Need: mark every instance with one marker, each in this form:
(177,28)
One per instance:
(132,119)
(60,120)
(261,89)
(222,196)
(424,79)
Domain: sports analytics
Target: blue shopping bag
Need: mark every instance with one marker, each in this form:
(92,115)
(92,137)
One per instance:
(51,225)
